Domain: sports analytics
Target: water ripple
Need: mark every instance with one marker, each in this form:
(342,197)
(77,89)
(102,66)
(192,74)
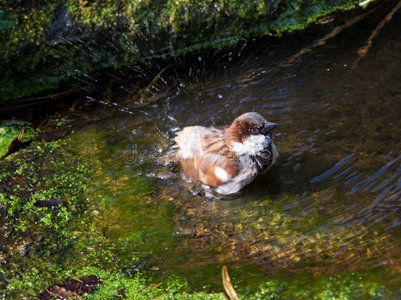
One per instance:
(334,169)
(368,182)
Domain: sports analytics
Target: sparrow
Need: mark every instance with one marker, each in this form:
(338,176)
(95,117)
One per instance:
(229,158)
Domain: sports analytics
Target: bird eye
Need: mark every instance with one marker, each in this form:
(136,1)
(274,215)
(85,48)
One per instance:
(254,130)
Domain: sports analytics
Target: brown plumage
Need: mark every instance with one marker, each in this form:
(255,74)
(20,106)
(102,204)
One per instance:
(229,158)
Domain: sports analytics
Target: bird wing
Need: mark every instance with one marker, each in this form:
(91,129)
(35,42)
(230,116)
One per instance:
(204,155)
(189,142)
(215,170)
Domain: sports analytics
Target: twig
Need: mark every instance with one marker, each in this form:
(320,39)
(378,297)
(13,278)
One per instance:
(146,89)
(323,40)
(363,50)
(21,134)
(232,295)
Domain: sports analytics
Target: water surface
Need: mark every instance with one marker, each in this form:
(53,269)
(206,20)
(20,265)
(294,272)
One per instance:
(331,205)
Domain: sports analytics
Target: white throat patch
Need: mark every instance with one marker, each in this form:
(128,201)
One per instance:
(252,145)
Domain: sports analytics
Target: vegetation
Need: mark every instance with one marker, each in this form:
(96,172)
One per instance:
(93,233)
(42,246)
(94,229)
(46,42)
(37,239)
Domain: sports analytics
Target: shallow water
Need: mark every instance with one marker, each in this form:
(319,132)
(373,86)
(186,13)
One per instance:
(330,206)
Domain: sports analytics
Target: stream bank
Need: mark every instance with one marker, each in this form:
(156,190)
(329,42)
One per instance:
(59,45)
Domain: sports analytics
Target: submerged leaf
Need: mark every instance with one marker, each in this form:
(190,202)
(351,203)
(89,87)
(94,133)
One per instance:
(54,202)
(54,291)
(73,288)
(51,135)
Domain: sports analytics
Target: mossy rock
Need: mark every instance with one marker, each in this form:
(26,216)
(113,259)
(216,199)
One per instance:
(45,43)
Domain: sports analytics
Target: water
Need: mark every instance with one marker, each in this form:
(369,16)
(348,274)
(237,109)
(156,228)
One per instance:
(330,206)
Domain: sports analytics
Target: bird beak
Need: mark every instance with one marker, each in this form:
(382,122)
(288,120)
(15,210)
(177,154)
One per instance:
(268,128)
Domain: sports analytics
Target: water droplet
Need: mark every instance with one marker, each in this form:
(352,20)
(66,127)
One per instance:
(171,118)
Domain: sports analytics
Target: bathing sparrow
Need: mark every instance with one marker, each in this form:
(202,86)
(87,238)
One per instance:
(227,159)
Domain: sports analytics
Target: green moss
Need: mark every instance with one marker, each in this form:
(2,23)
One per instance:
(6,136)
(43,246)
(38,239)
(358,285)
(10,130)
(300,14)
(111,225)
(116,285)
(103,34)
